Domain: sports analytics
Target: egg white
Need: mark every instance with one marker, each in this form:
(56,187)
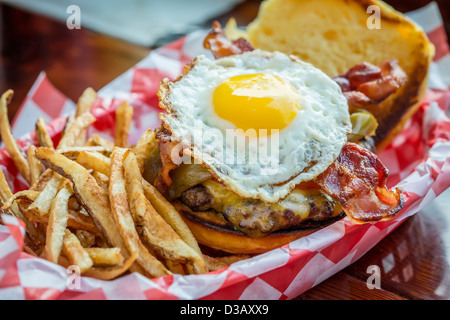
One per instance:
(306,147)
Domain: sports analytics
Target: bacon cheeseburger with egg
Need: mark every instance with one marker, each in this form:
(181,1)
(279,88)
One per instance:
(260,148)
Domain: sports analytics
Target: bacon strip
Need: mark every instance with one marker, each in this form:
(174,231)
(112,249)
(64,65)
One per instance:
(357,179)
(218,43)
(366,83)
(166,146)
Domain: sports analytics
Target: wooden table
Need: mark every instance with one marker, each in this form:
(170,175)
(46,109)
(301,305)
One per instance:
(414,260)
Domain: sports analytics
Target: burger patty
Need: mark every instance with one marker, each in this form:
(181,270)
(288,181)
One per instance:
(197,198)
(256,218)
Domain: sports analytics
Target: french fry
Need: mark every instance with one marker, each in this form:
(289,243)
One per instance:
(73,152)
(170,214)
(73,204)
(75,129)
(216,263)
(85,101)
(105,256)
(124,221)
(69,120)
(43,202)
(5,191)
(155,231)
(24,194)
(97,140)
(86,238)
(42,134)
(75,252)
(147,142)
(112,272)
(94,161)
(57,223)
(34,164)
(213,264)
(5,195)
(11,146)
(175,267)
(84,105)
(44,178)
(124,114)
(90,195)
(102,181)
(79,221)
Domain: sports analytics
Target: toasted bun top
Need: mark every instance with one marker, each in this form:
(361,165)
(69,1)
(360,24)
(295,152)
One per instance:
(335,35)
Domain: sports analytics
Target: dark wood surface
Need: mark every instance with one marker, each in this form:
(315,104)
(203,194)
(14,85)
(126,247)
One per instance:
(414,259)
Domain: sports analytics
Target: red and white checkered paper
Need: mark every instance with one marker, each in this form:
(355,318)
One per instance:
(418,159)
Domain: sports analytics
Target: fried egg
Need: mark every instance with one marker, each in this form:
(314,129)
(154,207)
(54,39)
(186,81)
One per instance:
(260,122)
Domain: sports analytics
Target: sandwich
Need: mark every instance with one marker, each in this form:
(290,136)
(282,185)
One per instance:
(259,147)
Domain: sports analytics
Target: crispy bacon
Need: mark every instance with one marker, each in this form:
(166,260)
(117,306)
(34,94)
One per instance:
(166,146)
(218,43)
(357,179)
(366,83)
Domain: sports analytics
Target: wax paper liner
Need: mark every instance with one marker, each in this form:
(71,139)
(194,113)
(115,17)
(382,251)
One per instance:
(418,159)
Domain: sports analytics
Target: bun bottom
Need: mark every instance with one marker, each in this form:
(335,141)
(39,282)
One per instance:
(228,240)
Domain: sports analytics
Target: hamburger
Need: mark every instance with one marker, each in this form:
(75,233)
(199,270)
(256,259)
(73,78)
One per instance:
(259,147)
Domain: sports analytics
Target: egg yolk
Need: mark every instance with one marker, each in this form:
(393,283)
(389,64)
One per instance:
(256,101)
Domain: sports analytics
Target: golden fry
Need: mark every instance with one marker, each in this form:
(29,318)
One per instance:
(99,141)
(79,221)
(43,202)
(44,178)
(5,191)
(90,195)
(36,168)
(84,105)
(124,114)
(24,194)
(112,272)
(5,195)
(76,254)
(74,129)
(102,181)
(85,102)
(94,161)
(57,223)
(155,231)
(124,221)
(213,264)
(73,152)
(11,146)
(105,256)
(42,135)
(147,142)
(171,215)
(87,239)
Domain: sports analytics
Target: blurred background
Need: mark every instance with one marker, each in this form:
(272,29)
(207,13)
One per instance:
(147,23)
(152,23)
(114,36)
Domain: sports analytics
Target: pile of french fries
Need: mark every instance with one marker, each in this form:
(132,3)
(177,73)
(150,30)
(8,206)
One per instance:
(88,204)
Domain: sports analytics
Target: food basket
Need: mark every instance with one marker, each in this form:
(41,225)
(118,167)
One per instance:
(418,160)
